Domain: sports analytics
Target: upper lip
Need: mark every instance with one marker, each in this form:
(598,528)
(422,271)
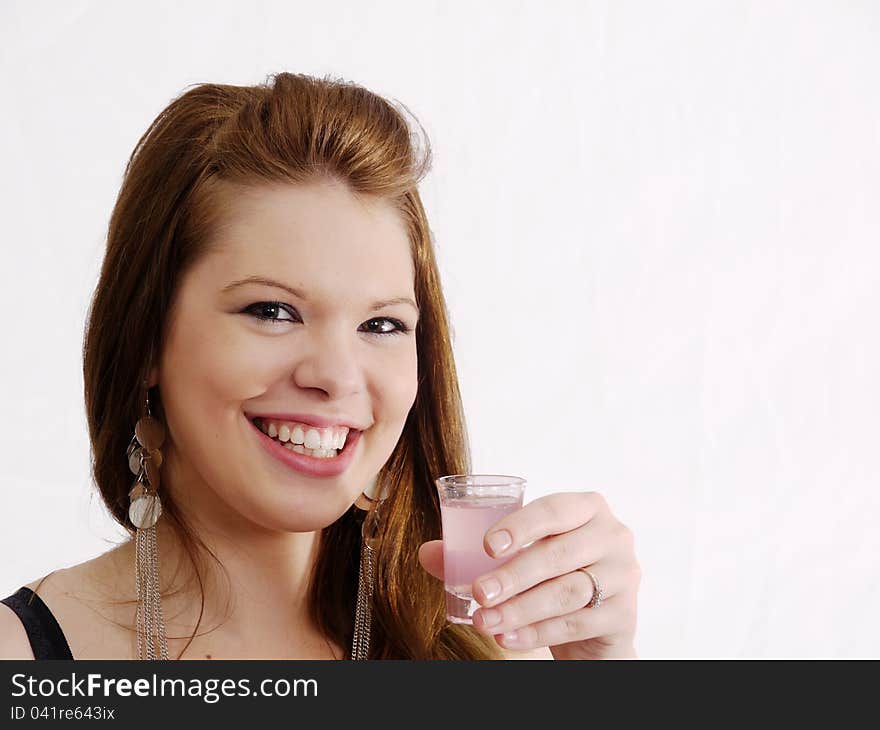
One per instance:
(310,419)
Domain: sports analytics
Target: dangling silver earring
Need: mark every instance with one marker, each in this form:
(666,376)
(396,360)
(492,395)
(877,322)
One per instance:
(144,460)
(370,501)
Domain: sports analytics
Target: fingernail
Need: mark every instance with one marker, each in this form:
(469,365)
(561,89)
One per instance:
(490,587)
(490,617)
(510,636)
(499,541)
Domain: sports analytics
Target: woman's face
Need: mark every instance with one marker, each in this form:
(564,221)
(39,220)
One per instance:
(239,349)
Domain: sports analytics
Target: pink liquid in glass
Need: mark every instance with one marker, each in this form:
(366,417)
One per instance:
(466,520)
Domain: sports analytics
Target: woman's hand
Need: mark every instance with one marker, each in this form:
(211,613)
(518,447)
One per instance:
(539,597)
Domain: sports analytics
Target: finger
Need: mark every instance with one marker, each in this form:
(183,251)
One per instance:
(552,514)
(610,619)
(556,597)
(431,557)
(543,560)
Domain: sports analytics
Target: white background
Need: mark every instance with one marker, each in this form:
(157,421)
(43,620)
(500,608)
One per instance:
(658,230)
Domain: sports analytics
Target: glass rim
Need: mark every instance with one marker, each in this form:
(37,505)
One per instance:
(501,481)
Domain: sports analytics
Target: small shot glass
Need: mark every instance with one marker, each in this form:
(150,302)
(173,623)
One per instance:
(470,504)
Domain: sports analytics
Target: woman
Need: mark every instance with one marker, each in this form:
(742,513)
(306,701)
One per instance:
(268,350)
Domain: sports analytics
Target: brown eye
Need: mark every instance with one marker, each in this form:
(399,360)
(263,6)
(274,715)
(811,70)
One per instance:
(270,312)
(273,313)
(399,327)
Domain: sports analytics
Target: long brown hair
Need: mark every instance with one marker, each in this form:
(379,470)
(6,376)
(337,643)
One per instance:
(293,128)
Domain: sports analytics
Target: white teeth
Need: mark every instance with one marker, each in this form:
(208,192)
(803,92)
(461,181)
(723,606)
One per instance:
(328,440)
(321,442)
(297,436)
(313,439)
(317,453)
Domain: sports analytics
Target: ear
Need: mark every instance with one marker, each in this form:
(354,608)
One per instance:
(153,377)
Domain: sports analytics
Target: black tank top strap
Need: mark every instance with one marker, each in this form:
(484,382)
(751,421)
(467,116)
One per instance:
(46,637)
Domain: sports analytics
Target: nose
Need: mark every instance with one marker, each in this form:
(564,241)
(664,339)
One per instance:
(328,360)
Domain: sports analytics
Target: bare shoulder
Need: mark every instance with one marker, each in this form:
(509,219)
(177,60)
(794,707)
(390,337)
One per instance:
(98,575)
(77,596)
(542,652)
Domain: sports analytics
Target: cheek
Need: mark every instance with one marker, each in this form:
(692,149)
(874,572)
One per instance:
(216,368)
(396,387)
(207,372)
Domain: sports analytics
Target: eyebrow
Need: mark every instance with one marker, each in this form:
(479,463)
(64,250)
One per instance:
(375,306)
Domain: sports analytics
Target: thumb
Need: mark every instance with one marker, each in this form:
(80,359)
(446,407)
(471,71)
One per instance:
(431,557)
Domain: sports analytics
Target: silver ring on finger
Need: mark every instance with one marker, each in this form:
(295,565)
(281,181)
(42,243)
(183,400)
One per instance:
(598,595)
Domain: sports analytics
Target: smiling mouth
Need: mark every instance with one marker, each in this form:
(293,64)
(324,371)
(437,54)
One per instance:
(319,443)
